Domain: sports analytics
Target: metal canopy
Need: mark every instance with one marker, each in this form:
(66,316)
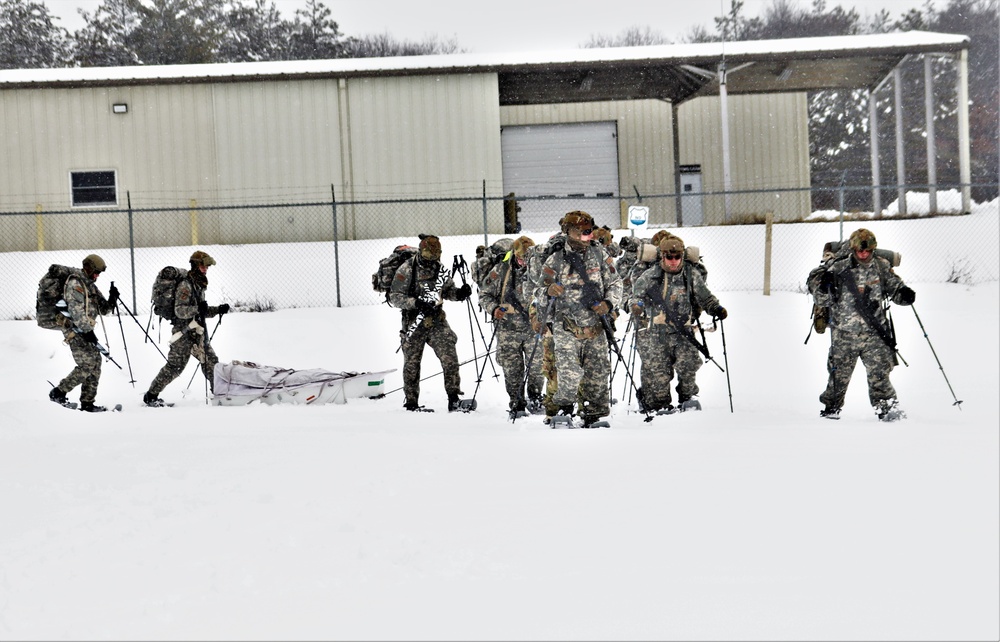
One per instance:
(677,73)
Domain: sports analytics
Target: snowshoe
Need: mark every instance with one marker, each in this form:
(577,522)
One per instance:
(89,406)
(689,404)
(669,409)
(461,405)
(59,397)
(564,419)
(889,411)
(412,407)
(595,422)
(535,406)
(517,414)
(830,413)
(154,402)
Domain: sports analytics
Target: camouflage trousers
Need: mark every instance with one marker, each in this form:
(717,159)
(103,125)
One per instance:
(877,357)
(442,340)
(663,354)
(87,372)
(514,349)
(584,368)
(188,345)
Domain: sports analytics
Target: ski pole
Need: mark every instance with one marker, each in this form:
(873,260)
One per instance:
(144,331)
(462,363)
(479,377)
(459,265)
(725,359)
(205,345)
(534,349)
(124,344)
(614,342)
(934,352)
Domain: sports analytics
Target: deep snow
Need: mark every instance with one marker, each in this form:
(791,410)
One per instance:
(363,521)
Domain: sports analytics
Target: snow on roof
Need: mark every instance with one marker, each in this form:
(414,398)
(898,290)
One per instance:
(831,46)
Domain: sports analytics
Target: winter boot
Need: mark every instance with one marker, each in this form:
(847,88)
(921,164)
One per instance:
(889,410)
(88,406)
(413,406)
(691,403)
(830,412)
(57,396)
(152,401)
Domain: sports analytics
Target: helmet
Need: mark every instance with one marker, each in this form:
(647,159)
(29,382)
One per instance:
(577,219)
(863,239)
(603,235)
(659,236)
(201,258)
(672,246)
(521,245)
(93,264)
(430,247)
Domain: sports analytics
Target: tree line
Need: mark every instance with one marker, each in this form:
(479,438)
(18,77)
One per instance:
(166,32)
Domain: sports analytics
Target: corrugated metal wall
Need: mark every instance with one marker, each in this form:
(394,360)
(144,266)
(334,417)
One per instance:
(769,142)
(645,142)
(200,144)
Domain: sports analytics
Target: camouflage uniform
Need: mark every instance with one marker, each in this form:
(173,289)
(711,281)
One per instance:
(535,292)
(432,330)
(83,303)
(188,338)
(663,347)
(842,283)
(516,340)
(580,343)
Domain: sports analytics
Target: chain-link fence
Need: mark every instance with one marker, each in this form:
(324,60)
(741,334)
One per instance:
(323,254)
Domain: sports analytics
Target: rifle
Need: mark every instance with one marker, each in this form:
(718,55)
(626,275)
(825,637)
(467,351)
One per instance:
(654,294)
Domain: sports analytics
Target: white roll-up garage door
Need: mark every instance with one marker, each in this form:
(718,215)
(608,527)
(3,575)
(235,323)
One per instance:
(564,160)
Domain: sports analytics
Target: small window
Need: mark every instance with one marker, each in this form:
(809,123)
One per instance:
(94,188)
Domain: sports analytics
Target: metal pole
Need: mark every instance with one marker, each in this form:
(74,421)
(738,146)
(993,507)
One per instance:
(724,107)
(486,238)
(900,139)
(931,142)
(336,247)
(873,137)
(964,161)
(131,245)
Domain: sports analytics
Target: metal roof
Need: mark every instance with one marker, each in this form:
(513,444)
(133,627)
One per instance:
(669,72)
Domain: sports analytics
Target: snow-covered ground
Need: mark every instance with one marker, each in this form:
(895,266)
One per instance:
(363,521)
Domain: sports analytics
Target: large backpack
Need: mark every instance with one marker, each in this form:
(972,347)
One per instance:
(489,257)
(50,292)
(164,289)
(821,314)
(387,267)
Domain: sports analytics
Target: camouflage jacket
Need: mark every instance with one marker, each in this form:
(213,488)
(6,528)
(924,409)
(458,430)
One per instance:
(186,299)
(504,285)
(851,283)
(600,283)
(660,305)
(84,302)
(408,285)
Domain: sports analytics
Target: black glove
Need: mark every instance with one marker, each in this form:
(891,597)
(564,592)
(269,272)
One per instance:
(113,295)
(719,313)
(906,296)
(202,309)
(427,307)
(826,282)
(464,292)
(223,309)
(89,337)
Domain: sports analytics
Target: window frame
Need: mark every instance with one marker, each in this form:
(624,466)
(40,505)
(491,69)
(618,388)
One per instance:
(73,189)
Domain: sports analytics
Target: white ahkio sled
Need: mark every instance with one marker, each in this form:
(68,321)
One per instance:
(239,383)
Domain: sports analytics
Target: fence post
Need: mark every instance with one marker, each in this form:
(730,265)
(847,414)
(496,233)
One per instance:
(768,221)
(486,236)
(193,215)
(131,246)
(336,247)
(39,227)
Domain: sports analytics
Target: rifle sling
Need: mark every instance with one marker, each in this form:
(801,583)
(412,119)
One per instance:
(654,293)
(863,306)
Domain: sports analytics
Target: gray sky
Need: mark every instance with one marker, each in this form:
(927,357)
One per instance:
(519,25)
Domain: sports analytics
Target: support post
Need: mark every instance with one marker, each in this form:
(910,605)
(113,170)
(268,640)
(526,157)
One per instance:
(873,137)
(768,223)
(964,161)
(931,141)
(724,115)
(897,83)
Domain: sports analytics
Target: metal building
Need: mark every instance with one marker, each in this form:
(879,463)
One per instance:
(670,119)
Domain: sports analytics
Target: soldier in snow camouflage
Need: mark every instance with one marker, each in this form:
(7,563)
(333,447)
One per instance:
(419,288)
(854,284)
(586,287)
(663,304)
(84,302)
(189,338)
(505,299)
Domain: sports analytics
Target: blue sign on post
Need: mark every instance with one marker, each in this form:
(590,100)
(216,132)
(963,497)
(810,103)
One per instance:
(638,217)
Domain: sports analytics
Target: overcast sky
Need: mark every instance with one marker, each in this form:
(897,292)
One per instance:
(519,25)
